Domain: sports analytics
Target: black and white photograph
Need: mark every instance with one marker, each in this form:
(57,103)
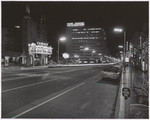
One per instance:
(74,59)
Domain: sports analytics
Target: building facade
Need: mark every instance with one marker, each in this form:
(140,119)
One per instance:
(26,44)
(36,50)
(11,45)
(85,43)
(140,51)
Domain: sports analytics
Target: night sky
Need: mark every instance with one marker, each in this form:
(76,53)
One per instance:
(107,15)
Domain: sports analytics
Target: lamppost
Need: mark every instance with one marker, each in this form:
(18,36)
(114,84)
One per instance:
(85,49)
(61,39)
(119,30)
(93,51)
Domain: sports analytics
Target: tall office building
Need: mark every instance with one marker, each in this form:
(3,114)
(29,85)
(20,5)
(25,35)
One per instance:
(85,43)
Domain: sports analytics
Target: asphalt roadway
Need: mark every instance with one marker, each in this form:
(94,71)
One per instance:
(65,92)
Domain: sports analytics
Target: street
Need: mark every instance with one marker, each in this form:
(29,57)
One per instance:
(65,92)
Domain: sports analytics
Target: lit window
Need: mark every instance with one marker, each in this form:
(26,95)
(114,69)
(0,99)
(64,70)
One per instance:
(92,28)
(75,29)
(98,28)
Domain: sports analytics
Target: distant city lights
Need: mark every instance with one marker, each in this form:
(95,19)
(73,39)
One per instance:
(76,56)
(86,49)
(118,30)
(93,51)
(65,55)
(17,26)
(120,46)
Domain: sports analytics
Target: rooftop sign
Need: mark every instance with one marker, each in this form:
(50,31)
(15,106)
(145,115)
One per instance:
(76,24)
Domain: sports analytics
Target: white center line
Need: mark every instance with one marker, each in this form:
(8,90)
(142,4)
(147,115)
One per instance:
(86,104)
(28,85)
(29,76)
(10,79)
(47,101)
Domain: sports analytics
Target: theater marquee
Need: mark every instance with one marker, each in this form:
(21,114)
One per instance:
(40,48)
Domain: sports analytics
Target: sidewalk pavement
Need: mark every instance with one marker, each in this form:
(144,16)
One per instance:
(130,78)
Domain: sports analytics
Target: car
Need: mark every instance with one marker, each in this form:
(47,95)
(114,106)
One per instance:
(91,61)
(85,62)
(111,73)
(80,61)
(119,67)
(52,65)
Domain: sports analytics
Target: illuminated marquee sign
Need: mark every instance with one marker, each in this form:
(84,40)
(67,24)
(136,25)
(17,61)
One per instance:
(76,24)
(40,48)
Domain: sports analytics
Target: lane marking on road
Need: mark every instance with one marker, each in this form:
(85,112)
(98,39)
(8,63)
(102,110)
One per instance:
(74,75)
(3,75)
(48,100)
(85,105)
(28,85)
(21,77)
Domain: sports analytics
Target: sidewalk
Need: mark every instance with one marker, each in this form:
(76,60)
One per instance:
(138,80)
(130,79)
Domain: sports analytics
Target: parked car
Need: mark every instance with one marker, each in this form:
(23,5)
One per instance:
(80,61)
(85,62)
(91,61)
(119,67)
(52,65)
(111,73)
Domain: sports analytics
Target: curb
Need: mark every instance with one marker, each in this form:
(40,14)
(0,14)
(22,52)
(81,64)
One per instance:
(120,104)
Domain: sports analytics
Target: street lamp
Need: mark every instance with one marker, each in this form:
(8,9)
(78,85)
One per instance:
(61,39)
(93,51)
(120,46)
(119,30)
(85,49)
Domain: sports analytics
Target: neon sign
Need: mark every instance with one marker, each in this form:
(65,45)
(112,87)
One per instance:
(76,24)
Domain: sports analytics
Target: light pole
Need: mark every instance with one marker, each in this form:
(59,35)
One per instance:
(93,51)
(124,46)
(85,49)
(61,39)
